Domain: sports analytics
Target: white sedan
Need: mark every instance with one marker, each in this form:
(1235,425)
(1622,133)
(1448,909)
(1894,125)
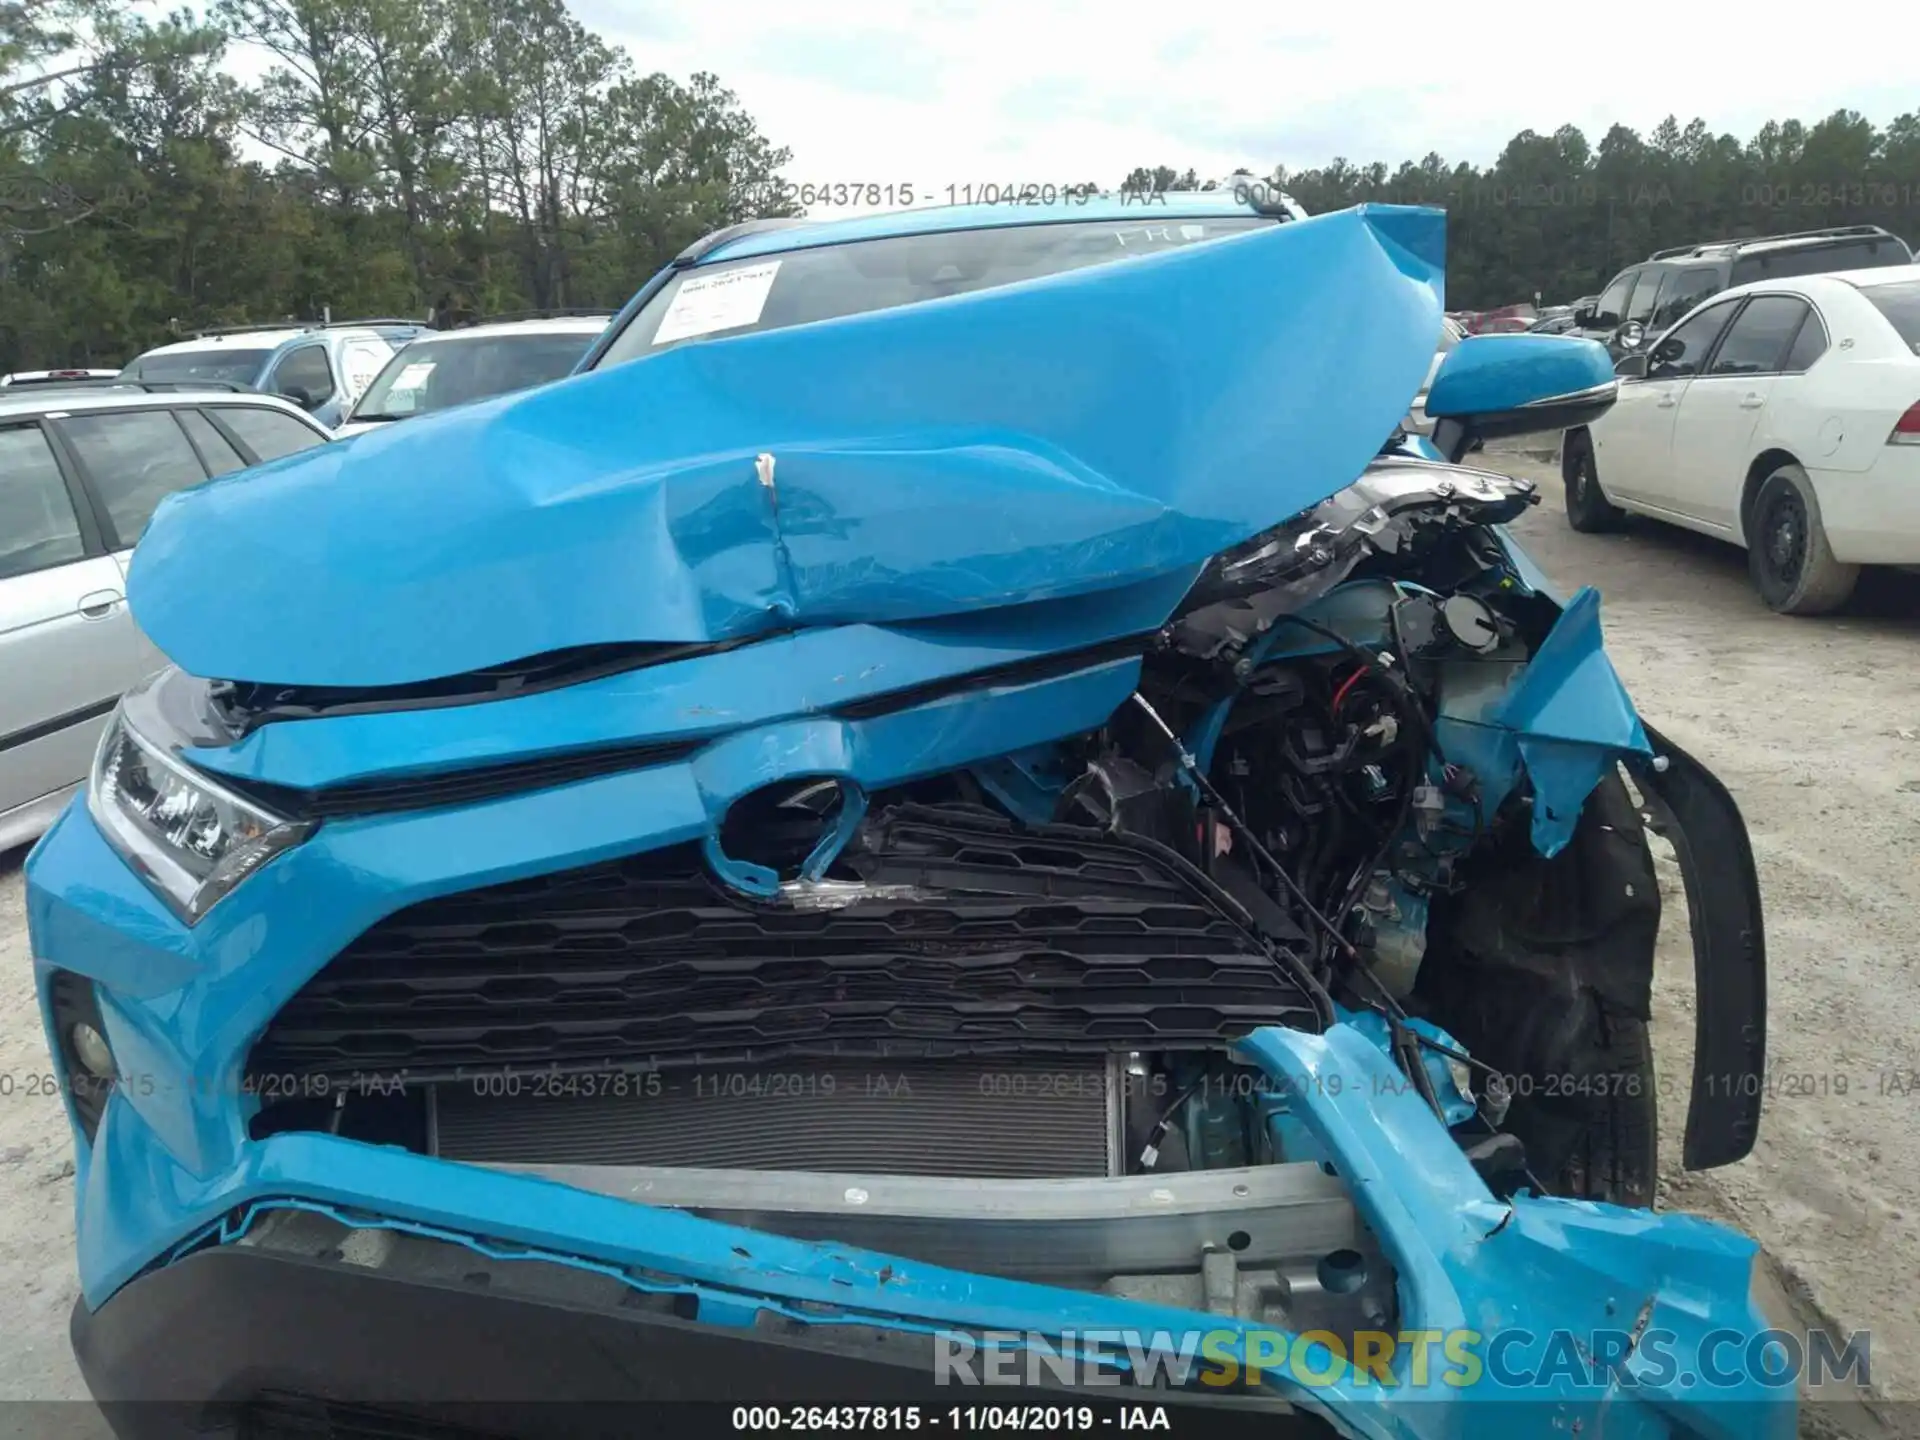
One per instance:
(1784,416)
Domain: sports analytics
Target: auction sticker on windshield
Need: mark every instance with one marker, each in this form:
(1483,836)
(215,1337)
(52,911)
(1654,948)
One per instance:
(725,301)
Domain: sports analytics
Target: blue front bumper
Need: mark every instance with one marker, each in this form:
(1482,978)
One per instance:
(171,1170)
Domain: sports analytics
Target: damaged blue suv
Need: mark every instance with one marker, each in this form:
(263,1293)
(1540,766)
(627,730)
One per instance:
(962,787)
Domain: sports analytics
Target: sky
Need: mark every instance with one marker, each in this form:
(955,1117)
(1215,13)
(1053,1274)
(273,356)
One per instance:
(1032,92)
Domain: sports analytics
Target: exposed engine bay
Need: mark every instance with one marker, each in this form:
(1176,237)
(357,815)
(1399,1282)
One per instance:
(989,1019)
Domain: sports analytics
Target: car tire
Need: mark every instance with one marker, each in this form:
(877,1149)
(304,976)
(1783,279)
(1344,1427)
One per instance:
(1787,552)
(1588,509)
(1616,1158)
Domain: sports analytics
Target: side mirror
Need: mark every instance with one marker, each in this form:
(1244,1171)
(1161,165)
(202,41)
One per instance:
(1630,335)
(298,395)
(1583,317)
(1491,386)
(1631,367)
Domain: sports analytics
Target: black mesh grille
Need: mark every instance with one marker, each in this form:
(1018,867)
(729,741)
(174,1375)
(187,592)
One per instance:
(1058,941)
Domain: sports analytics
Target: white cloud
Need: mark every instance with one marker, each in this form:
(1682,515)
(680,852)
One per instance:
(1037,91)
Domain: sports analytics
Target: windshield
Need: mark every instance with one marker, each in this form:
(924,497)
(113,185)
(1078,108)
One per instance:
(1900,304)
(227,367)
(771,292)
(454,369)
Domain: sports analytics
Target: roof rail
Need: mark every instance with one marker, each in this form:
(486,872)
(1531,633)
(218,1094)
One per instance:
(162,387)
(591,312)
(149,387)
(365,324)
(1830,232)
(201,332)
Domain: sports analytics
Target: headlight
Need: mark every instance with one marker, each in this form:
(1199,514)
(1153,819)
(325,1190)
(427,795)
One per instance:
(191,839)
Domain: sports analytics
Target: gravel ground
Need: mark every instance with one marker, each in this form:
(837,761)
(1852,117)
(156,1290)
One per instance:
(1814,725)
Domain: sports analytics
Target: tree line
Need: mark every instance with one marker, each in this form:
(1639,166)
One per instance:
(389,157)
(472,157)
(1558,216)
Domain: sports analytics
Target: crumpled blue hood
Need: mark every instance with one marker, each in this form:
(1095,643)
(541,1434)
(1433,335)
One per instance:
(1050,438)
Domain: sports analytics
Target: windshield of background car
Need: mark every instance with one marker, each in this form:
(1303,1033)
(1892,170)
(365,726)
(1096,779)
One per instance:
(1820,259)
(1900,304)
(226,367)
(451,370)
(773,291)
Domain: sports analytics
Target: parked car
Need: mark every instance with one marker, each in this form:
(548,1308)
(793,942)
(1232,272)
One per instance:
(21,378)
(1783,416)
(473,363)
(1556,320)
(1644,301)
(80,473)
(321,368)
(854,817)
(1452,332)
(1503,320)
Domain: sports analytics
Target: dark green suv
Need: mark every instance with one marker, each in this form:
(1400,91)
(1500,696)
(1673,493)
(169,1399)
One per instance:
(1645,300)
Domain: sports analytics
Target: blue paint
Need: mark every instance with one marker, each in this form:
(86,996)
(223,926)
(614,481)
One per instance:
(1571,718)
(818,671)
(1059,437)
(961,485)
(1464,1258)
(1488,374)
(188,1002)
(1457,1108)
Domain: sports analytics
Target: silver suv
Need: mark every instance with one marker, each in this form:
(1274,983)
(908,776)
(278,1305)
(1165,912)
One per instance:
(80,474)
(442,369)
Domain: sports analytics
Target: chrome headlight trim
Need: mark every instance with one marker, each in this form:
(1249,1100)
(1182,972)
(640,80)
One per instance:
(190,838)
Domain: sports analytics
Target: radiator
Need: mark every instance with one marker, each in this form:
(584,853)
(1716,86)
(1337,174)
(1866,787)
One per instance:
(1016,1117)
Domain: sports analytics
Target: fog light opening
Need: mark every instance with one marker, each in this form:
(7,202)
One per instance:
(80,1036)
(90,1048)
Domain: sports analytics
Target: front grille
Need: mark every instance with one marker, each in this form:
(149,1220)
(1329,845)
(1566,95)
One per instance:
(1060,942)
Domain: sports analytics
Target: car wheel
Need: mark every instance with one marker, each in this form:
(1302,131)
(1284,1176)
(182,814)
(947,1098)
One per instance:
(1787,552)
(1588,509)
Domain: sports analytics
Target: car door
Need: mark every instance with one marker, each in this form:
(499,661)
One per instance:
(1684,289)
(1632,442)
(67,645)
(1608,311)
(361,360)
(305,376)
(1633,333)
(129,461)
(1713,431)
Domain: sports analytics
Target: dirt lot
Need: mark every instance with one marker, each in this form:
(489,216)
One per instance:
(1814,725)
